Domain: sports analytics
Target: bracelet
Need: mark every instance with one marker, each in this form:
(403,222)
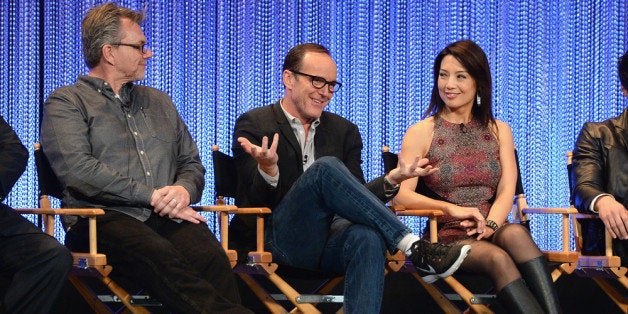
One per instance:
(491,224)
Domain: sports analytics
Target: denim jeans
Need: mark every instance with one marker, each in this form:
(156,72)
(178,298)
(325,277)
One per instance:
(182,264)
(298,232)
(33,265)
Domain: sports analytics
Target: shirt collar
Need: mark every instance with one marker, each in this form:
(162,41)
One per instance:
(105,89)
(295,121)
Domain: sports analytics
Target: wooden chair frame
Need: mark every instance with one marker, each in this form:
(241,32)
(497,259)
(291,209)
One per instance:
(90,264)
(260,261)
(479,303)
(599,268)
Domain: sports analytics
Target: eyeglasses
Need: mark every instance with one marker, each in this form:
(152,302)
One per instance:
(141,47)
(319,82)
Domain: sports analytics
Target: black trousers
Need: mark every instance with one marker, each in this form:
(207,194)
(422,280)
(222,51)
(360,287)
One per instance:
(33,265)
(182,264)
(594,241)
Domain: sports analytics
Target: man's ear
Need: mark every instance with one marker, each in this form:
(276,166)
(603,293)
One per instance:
(107,54)
(287,77)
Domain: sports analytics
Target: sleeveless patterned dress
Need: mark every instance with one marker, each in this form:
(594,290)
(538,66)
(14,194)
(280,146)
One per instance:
(468,158)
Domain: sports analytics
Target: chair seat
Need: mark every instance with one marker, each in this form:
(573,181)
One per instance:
(599,261)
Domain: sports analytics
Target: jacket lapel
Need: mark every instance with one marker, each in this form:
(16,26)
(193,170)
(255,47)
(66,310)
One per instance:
(286,131)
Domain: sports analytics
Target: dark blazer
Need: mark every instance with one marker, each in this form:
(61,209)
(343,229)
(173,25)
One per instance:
(335,136)
(600,165)
(13,158)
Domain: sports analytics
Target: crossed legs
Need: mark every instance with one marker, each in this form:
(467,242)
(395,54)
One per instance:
(300,232)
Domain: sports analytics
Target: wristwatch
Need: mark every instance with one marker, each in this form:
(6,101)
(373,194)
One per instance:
(389,187)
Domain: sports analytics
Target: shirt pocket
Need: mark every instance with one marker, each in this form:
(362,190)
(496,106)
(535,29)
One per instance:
(161,126)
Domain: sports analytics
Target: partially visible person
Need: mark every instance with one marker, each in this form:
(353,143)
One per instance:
(477,174)
(33,265)
(600,178)
(124,148)
(305,164)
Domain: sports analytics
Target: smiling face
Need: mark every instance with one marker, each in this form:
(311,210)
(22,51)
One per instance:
(302,99)
(456,86)
(130,62)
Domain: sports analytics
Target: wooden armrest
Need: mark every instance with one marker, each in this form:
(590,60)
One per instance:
(587,216)
(231,209)
(410,211)
(432,214)
(224,211)
(556,210)
(88,212)
(255,210)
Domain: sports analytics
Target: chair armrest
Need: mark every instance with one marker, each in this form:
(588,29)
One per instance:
(230,209)
(565,255)
(88,212)
(224,210)
(413,211)
(431,214)
(551,210)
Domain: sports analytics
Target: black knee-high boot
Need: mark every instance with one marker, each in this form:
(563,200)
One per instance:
(517,298)
(538,279)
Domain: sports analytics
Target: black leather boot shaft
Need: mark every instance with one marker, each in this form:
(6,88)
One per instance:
(538,279)
(516,298)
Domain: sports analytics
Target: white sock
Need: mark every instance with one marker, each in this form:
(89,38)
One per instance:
(406,243)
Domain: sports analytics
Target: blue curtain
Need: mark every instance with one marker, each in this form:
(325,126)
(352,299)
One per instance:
(553,65)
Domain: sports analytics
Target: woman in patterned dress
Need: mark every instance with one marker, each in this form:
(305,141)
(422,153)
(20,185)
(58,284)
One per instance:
(477,172)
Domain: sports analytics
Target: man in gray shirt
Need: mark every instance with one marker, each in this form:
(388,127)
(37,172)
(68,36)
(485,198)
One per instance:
(124,148)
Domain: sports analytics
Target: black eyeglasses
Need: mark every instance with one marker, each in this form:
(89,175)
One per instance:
(319,82)
(141,47)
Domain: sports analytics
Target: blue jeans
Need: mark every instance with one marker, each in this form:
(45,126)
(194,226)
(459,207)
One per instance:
(298,232)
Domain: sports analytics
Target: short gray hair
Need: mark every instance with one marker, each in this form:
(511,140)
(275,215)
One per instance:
(101,26)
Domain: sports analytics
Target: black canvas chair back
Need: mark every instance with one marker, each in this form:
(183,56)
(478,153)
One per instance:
(48,182)
(390,159)
(523,220)
(225,174)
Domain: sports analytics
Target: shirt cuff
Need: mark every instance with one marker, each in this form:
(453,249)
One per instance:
(592,206)
(272,180)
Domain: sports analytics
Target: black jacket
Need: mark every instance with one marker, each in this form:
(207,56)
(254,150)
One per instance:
(335,136)
(13,158)
(600,161)
(600,165)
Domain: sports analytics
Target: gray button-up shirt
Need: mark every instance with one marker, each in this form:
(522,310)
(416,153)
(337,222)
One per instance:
(112,151)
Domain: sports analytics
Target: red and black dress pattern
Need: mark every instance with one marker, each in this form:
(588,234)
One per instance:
(469,170)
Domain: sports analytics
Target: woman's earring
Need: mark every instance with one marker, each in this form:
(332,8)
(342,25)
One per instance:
(479,100)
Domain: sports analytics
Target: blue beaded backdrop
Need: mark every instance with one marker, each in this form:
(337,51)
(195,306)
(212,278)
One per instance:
(553,66)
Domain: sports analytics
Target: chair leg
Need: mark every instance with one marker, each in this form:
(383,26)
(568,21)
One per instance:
(516,297)
(537,277)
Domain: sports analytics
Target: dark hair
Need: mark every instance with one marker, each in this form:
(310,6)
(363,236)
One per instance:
(474,60)
(101,26)
(622,69)
(295,55)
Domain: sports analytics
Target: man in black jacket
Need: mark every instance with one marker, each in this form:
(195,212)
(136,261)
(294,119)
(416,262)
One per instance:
(600,177)
(33,265)
(305,164)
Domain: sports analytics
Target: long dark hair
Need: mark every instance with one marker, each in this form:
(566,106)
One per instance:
(474,60)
